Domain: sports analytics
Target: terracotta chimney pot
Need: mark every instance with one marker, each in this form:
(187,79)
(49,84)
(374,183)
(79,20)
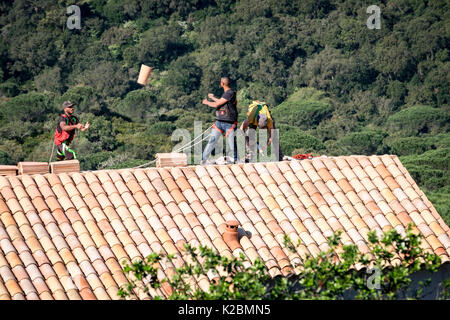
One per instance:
(230,236)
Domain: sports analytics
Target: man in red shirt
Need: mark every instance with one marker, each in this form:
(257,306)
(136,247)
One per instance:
(65,131)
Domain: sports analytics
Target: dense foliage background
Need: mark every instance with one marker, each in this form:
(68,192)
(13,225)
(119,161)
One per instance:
(335,86)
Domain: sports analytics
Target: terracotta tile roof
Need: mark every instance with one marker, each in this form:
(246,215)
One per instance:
(64,236)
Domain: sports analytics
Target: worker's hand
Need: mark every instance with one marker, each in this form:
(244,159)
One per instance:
(262,150)
(211,95)
(86,126)
(79,126)
(205,101)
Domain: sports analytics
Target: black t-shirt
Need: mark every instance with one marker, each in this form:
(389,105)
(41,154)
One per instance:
(228,111)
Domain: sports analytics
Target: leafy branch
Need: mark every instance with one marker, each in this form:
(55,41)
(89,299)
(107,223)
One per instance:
(341,272)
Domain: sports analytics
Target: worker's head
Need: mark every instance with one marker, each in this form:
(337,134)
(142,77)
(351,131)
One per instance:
(67,107)
(262,121)
(224,82)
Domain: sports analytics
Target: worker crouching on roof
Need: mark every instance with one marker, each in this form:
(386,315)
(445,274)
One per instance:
(65,131)
(258,116)
(226,120)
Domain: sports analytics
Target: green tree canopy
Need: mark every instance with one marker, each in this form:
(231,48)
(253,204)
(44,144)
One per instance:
(85,98)
(137,105)
(367,142)
(302,110)
(28,107)
(418,120)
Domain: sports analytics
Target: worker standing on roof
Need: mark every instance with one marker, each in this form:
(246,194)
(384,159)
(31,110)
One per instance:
(258,116)
(226,120)
(65,131)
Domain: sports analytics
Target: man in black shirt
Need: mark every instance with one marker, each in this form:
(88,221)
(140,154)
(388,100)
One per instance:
(226,120)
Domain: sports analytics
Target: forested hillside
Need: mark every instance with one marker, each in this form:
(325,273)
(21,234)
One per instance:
(335,86)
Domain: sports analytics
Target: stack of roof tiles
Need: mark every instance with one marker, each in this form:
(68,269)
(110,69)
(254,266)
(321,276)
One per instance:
(6,170)
(33,167)
(173,159)
(65,166)
(64,236)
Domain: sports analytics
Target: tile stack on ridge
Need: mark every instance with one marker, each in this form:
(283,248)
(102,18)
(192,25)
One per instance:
(65,166)
(64,236)
(33,167)
(8,170)
(173,159)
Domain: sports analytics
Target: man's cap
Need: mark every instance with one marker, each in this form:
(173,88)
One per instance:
(67,104)
(262,121)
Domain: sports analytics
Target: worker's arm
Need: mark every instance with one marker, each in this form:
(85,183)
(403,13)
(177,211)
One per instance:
(270,128)
(216,103)
(68,128)
(244,125)
(212,97)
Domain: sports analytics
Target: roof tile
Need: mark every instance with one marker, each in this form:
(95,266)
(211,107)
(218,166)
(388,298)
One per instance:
(384,207)
(436,228)
(427,216)
(40,285)
(425,230)
(33,192)
(353,161)
(382,221)
(360,173)
(382,171)
(291,177)
(393,169)
(404,218)
(14,205)
(434,242)
(364,162)
(375,160)
(345,186)
(412,194)
(13,232)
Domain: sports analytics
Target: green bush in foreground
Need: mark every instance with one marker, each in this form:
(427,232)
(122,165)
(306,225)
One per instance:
(392,260)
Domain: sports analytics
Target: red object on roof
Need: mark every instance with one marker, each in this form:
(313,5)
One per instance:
(302,156)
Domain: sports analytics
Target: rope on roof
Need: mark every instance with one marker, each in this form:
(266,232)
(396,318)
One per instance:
(188,145)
